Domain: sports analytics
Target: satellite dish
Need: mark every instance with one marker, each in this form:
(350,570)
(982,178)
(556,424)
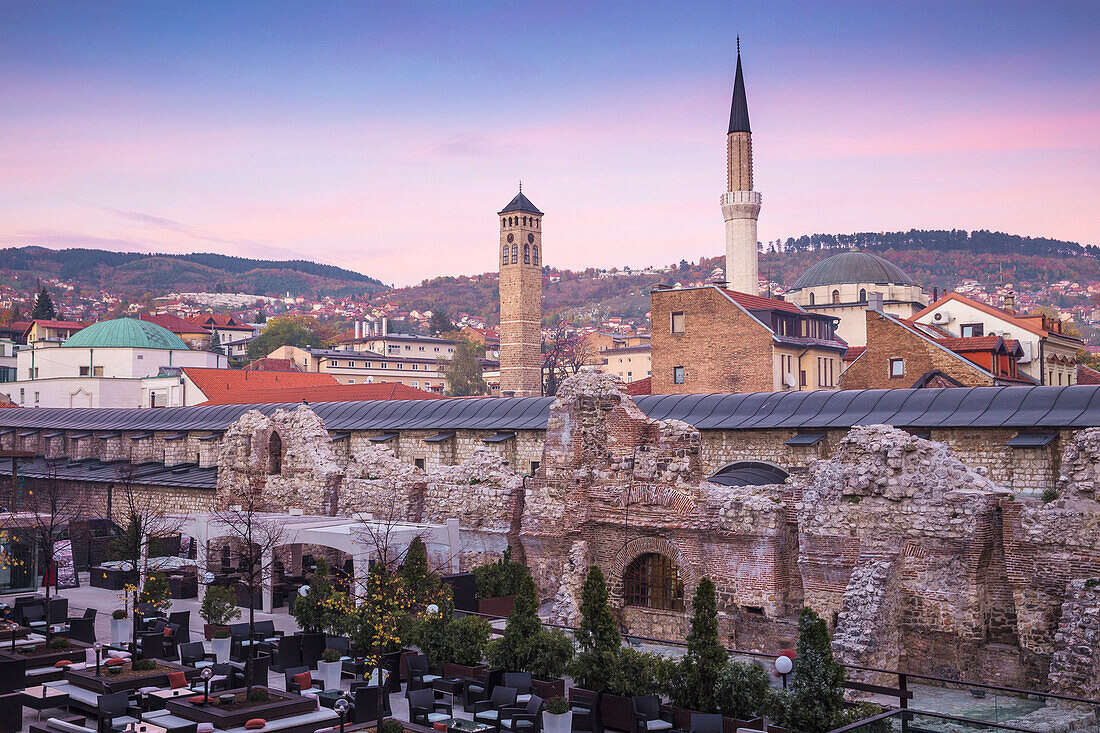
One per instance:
(303,591)
(783,665)
(208,577)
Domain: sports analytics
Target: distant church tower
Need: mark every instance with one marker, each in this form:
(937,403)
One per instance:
(520,298)
(740,204)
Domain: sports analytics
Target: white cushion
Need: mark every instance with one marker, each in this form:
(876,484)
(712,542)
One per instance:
(147,690)
(430,677)
(112,654)
(205,728)
(658,725)
(64,727)
(487,714)
(155,714)
(436,717)
(525,697)
(200,665)
(509,723)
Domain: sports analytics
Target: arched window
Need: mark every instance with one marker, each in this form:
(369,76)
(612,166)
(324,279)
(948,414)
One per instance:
(515,253)
(811,298)
(274,455)
(836,296)
(526,254)
(862,295)
(652,581)
(504,255)
(535,255)
(525,221)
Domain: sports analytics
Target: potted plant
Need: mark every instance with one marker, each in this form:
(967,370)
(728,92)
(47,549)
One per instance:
(223,644)
(527,647)
(329,668)
(466,640)
(121,626)
(497,584)
(218,609)
(557,717)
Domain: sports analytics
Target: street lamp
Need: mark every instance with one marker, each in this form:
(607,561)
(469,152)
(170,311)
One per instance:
(206,674)
(98,651)
(341,707)
(784,665)
(303,591)
(432,609)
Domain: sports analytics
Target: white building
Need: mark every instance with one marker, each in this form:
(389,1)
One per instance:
(115,363)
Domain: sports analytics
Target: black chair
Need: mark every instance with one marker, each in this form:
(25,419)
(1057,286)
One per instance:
(223,674)
(291,685)
(527,719)
(647,714)
(523,684)
(265,631)
(586,715)
(366,703)
(82,629)
(59,610)
(286,653)
(475,690)
(12,675)
(194,654)
(89,613)
(421,674)
(254,668)
(33,616)
(705,723)
(11,712)
(489,712)
(424,709)
(313,646)
(182,619)
(115,709)
(340,644)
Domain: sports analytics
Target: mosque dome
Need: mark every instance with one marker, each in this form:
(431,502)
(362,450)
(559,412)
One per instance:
(125,333)
(853,267)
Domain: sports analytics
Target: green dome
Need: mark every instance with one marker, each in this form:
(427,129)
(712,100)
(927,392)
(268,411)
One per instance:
(125,333)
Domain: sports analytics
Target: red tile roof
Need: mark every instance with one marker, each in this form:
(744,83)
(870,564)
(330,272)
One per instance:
(219,320)
(970,343)
(58,324)
(175,324)
(759,302)
(854,352)
(218,383)
(329,393)
(267,364)
(1087,375)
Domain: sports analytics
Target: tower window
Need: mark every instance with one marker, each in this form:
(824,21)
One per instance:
(836,296)
(504,255)
(515,253)
(535,254)
(811,298)
(526,254)
(525,221)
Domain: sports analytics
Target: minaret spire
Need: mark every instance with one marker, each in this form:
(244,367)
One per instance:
(740,204)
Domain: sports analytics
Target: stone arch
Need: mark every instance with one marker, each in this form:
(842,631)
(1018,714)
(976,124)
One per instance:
(645,546)
(274,454)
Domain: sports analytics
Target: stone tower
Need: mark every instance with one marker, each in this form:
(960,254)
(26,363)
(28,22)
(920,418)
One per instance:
(740,204)
(520,298)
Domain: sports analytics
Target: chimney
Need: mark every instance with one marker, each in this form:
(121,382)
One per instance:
(1010,301)
(382,328)
(874,302)
(935,294)
(357,330)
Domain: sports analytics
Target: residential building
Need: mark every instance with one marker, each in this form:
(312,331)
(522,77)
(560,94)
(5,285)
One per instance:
(710,339)
(628,363)
(365,367)
(843,285)
(233,335)
(221,386)
(195,336)
(322,393)
(56,331)
(1049,353)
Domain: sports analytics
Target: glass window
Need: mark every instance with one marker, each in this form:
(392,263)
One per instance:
(836,296)
(897,368)
(973,329)
(678,375)
(653,581)
(678,322)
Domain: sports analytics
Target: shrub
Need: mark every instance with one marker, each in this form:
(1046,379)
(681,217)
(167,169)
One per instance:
(695,681)
(742,690)
(219,606)
(500,578)
(59,642)
(330,655)
(222,634)
(310,610)
(862,711)
(1049,494)
(156,591)
(597,636)
(638,673)
(390,726)
(558,705)
(467,638)
(815,702)
(259,694)
(118,614)
(143,665)
(513,652)
(551,652)
(1092,583)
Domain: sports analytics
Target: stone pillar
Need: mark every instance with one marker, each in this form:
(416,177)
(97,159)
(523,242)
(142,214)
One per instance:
(202,554)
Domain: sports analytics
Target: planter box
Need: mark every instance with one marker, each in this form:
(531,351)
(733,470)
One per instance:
(76,653)
(499,606)
(106,683)
(615,712)
(561,723)
(329,673)
(209,629)
(547,689)
(281,705)
(122,630)
(681,718)
(222,649)
(466,673)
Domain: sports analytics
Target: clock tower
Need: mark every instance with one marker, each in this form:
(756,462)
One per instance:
(520,257)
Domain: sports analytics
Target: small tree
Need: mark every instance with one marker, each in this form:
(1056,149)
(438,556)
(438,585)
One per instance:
(43,307)
(311,609)
(513,651)
(463,372)
(815,702)
(694,685)
(156,592)
(219,606)
(597,637)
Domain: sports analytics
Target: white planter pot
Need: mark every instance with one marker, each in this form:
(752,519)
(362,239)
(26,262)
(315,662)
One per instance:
(221,649)
(560,723)
(121,630)
(329,673)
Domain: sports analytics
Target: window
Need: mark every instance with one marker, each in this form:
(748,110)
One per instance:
(416,383)
(351,363)
(534,466)
(97,371)
(535,255)
(274,455)
(811,298)
(836,296)
(897,368)
(504,255)
(140,357)
(862,295)
(515,253)
(678,375)
(36,394)
(85,371)
(419,463)
(653,581)
(678,322)
(972,329)
(526,254)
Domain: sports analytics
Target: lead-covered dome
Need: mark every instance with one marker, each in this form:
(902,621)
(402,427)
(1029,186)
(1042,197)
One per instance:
(125,333)
(853,267)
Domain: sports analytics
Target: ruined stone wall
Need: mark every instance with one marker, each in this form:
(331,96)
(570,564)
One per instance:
(1073,670)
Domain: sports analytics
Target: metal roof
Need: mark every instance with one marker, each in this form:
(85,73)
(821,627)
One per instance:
(749,473)
(125,333)
(852,267)
(1076,406)
(185,475)
(739,108)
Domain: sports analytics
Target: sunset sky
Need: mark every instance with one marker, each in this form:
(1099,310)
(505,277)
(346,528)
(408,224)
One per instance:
(383,137)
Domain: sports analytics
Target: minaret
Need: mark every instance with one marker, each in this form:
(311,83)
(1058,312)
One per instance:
(740,204)
(520,298)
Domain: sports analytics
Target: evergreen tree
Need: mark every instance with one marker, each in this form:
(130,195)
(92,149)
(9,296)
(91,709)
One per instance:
(815,702)
(696,680)
(515,649)
(597,636)
(441,322)
(43,307)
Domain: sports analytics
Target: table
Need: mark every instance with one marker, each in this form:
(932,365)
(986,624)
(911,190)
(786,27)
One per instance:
(35,699)
(448,686)
(460,725)
(178,692)
(141,727)
(328,698)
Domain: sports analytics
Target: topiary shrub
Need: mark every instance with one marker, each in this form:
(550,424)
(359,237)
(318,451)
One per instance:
(330,655)
(597,636)
(512,652)
(742,690)
(143,665)
(219,606)
(815,702)
(311,610)
(694,683)
(59,642)
(118,614)
(550,654)
(558,705)
(467,639)
(639,673)
(390,726)
(500,578)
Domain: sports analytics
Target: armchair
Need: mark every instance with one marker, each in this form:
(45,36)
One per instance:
(194,654)
(421,674)
(480,689)
(523,684)
(115,709)
(424,708)
(286,653)
(366,703)
(220,681)
(489,711)
(182,619)
(647,714)
(526,719)
(292,685)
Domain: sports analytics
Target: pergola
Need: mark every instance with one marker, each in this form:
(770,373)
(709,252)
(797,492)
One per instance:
(356,536)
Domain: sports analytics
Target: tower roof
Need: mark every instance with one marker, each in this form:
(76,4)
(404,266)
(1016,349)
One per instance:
(520,203)
(739,110)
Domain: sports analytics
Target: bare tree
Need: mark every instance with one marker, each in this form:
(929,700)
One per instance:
(146,517)
(565,354)
(255,531)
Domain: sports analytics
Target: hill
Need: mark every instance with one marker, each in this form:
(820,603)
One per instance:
(132,273)
(935,259)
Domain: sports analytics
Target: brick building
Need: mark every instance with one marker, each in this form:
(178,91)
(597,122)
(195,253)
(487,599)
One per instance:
(520,298)
(710,339)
